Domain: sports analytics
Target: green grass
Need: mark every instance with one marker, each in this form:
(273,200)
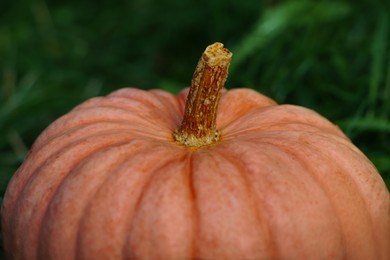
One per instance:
(331,56)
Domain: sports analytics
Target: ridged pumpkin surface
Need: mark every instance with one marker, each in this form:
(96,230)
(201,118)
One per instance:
(108,181)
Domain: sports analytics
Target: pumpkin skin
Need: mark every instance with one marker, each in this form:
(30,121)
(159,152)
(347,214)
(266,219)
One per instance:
(108,181)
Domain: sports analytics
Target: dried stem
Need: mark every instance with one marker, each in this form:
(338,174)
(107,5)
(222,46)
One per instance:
(198,127)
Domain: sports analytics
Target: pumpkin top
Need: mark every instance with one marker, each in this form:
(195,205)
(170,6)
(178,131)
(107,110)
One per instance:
(276,182)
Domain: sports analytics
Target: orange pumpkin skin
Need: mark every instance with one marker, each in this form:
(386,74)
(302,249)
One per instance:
(108,181)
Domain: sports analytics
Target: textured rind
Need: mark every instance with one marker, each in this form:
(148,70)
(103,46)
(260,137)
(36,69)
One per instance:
(107,181)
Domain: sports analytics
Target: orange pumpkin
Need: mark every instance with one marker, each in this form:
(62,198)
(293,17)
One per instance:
(120,177)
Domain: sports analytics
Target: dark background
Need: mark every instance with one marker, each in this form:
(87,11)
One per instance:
(331,56)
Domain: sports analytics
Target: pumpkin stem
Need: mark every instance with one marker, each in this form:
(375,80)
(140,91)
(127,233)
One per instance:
(198,127)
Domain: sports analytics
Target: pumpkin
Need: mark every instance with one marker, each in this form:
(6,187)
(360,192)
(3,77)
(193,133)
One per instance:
(227,174)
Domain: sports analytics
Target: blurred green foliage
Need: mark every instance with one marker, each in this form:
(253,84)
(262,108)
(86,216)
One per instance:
(331,56)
